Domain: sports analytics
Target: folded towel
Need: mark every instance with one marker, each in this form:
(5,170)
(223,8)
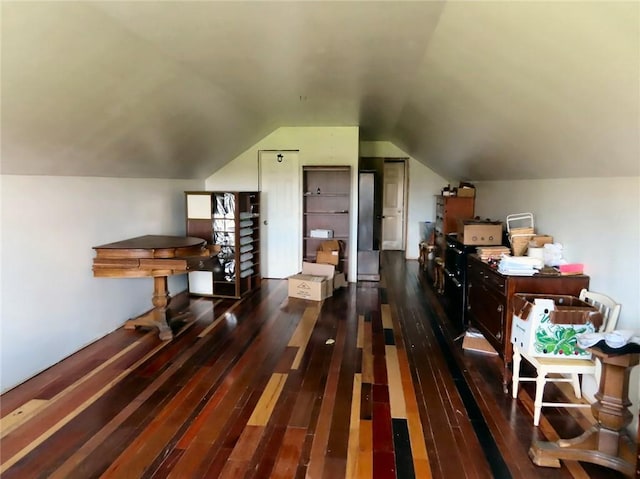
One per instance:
(246,248)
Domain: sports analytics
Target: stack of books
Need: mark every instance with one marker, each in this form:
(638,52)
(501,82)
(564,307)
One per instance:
(487,253)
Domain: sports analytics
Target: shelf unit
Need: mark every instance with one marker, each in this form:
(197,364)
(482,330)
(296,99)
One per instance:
(230,219)
(326,203)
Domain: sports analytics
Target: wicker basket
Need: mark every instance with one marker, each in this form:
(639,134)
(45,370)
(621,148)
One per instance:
(519,238)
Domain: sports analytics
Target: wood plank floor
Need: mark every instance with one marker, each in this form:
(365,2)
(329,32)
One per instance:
(368,384)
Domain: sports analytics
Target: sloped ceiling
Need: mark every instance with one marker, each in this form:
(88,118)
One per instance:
(474,90)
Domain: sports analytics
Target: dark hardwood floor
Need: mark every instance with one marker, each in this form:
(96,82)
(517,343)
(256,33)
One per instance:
(370,383)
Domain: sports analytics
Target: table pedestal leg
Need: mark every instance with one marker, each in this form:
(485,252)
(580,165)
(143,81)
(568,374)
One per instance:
(158,317)
(606,443)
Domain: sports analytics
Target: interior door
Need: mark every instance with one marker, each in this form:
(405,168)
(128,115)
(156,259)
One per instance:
(280,230)
(393,205)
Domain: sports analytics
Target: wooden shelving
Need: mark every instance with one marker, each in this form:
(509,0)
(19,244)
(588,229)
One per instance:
(230,219)
(326,203)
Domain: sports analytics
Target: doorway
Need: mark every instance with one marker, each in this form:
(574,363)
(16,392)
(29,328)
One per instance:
(280,230)
(393,204)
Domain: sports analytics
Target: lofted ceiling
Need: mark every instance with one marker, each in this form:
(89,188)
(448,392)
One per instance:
(474,90)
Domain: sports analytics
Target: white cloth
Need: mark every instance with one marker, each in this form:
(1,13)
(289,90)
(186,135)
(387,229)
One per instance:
(618,338)
(614,339)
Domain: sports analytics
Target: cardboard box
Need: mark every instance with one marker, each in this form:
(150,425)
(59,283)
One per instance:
(477,342)
(308,286)
(328,257)
(487,233)
(548,325)
(330,245)
(328,271)
(466,192)
(339,280)
(319,233)
(314,283)
(541,240)
(520,242)
(329,252)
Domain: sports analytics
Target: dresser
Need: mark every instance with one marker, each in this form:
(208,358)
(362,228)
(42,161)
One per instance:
(489,302)
(448,210)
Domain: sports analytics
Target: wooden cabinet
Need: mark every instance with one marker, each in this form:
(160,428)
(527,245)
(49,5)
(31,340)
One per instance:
(448,210)
(326,203)
(489,301)
(231,220)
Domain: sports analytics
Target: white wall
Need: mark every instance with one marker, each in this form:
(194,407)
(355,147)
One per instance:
(51,303)
(423,186)
(597,220)
(316,146)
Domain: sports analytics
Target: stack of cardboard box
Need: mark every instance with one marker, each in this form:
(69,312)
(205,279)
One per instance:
(318,280)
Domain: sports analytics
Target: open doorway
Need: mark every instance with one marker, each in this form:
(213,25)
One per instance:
(393,204)
(390,201)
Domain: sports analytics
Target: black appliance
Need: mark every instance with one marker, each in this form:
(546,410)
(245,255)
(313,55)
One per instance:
(455,285)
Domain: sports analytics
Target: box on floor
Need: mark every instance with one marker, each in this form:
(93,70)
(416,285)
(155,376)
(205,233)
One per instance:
(314,283)
(475,341)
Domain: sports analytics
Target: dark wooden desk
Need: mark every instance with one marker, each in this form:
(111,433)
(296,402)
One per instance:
(607,443)
(152,256)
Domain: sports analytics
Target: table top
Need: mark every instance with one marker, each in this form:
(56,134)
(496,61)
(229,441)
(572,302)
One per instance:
(154,242)
(150,255)
(602,350)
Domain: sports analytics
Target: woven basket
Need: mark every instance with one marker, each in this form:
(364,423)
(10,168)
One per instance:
(519,238)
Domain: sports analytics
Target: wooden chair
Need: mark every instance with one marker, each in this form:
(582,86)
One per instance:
(569,370)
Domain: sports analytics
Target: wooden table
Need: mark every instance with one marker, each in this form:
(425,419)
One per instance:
(607,443)
(154,256)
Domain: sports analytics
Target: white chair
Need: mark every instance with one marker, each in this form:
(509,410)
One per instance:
(569,369)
